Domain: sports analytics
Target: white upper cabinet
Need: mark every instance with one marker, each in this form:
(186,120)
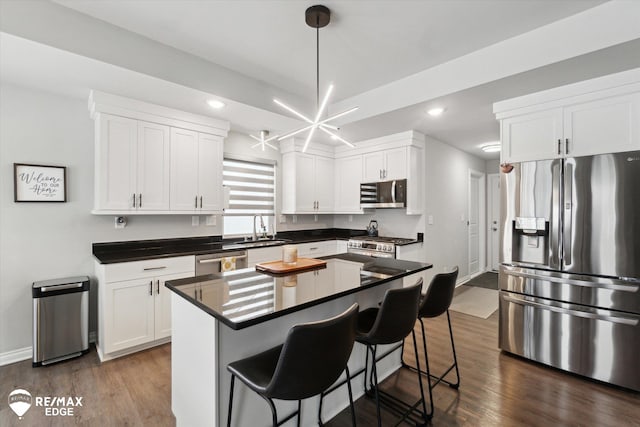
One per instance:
(133,165)
(196,172)
(153,166)
(348,173)
(596,116)
(155,160)
(307,183)
(385,165)
(604,126)
(532,137)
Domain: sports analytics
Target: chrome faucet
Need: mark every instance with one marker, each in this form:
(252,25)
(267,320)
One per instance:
(262,227)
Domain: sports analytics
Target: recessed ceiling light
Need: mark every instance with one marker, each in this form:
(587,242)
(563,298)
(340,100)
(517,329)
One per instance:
(491,147)
(214,103)
(435,112)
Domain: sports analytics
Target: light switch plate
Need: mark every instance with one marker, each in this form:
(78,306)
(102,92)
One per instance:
(283,219)
(195,220)
(430,220)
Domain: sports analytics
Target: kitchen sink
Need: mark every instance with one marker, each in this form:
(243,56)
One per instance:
(258,243)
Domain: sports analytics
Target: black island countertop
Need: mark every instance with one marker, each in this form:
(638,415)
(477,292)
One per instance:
(137,250)
(246,297)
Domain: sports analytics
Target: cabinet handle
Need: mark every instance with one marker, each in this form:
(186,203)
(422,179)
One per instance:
(158,286)
(195,294)
(559,144)
(196,202)
(313,249)
(200,294)
(566,146)
(134,200)
(200,202)
(151,287)
(380,173)
(140,200)
(155,268)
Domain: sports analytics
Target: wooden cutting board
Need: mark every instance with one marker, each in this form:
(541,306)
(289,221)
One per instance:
(278,267)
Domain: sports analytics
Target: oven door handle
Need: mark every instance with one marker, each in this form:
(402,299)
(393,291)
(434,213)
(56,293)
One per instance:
(561,310)
(212,260)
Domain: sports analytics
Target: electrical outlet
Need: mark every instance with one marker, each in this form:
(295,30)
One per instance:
(283,219)
(211,220)
(195,220)
(430,220)
(294,219)
(121,222)
(350,218)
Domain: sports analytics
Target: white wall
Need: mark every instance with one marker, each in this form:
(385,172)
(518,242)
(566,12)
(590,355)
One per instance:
(492,166)
(447,172)
(41,241)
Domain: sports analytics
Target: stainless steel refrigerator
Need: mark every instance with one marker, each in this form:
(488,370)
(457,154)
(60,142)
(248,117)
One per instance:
(570,265)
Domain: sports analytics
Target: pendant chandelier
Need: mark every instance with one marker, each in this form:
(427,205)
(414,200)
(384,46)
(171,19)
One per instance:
(317,17)
(264,140)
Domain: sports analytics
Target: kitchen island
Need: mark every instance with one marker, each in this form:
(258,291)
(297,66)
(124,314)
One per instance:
(225,317)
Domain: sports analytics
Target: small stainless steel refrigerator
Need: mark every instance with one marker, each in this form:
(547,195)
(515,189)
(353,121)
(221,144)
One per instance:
(60,319)
(570,265)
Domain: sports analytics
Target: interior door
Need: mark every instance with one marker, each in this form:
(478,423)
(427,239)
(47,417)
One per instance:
(473,224)
(494,220)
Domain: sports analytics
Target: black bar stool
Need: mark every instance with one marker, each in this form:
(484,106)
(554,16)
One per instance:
(311,359)
(433,304)
(391,323)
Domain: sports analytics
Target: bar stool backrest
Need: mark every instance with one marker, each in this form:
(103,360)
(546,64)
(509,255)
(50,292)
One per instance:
(396,316)
(439,295)
(313,356)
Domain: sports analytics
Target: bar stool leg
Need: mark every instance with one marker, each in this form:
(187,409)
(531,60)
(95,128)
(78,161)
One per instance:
(274,413)
(425,415)
(353,409)
(374,372)
(455,359)
(428,372)
(299,412)
(233,379)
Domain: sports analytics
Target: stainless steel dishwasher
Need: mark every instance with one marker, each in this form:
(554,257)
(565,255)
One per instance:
(60,319)
(212,263)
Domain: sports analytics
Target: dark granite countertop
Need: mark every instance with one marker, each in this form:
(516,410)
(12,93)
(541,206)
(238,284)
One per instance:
(246,297)
(114,252)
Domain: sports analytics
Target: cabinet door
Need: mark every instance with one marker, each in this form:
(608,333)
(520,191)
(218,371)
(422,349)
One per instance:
(395,164)
(184,170)
(348,175)
(163,304)
(305,183)
(324,184)
(153,166)
(607,125)
(535,136)
(116,177)
(210,173)
(373,165)
(129,314)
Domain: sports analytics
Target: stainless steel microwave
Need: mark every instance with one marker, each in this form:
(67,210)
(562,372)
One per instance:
(386,194)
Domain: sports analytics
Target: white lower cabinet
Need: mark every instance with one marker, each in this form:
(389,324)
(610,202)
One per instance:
(258,255)
(134,306)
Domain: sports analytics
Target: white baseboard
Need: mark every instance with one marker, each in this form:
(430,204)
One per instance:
(14,356)
(25,353)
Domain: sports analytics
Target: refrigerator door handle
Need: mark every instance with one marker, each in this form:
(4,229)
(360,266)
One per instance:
(555,244)
(579,313)
(566,240)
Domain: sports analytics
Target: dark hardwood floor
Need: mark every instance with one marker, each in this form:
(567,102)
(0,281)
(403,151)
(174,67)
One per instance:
(496,389)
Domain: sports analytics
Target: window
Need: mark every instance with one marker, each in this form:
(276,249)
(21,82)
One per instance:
(251,187)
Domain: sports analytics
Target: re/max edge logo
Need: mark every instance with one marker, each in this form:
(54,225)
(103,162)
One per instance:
(20,401)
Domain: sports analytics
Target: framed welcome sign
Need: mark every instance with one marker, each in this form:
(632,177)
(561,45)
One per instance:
(39,183)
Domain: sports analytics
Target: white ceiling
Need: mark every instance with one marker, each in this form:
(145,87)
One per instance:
(367,46)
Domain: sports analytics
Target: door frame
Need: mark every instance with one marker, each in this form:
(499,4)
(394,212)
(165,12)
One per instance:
(492,250)
(482,263)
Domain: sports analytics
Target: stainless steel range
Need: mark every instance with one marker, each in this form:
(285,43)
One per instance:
(379,247)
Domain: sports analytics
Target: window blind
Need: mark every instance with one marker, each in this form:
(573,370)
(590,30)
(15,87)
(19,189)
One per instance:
(250,186)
